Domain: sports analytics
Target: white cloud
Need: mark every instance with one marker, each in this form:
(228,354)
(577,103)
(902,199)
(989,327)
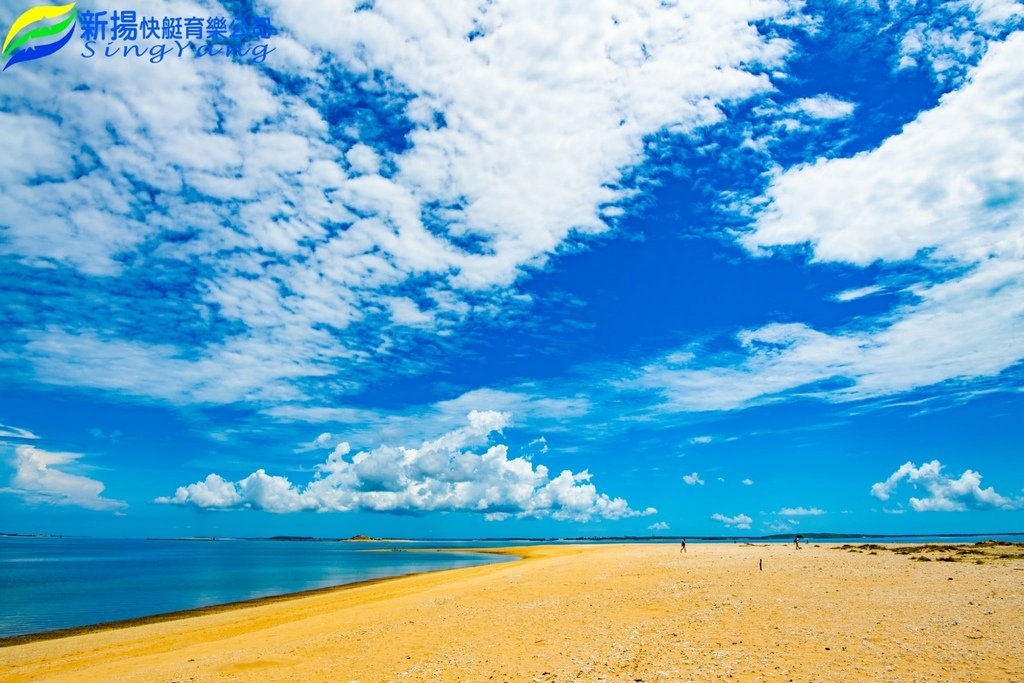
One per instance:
(778,358)
(944,492)
(739,521)
(747,482)
(858,293)
(701,440)
(823,107)
(658,526)
(947,181)
(212,492)
(38,479)
(520,141)
(363,159)
(946,193)
(693,479)
(800,512)
(529,403)
(439,475)
(541,443)
(323,440)
(7,431)
(956,35)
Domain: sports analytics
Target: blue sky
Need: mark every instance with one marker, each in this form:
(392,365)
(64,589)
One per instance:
(462,269)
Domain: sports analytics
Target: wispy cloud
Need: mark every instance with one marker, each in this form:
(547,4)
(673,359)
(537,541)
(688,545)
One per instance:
(40,477)
(944,194)
(800,512)
(858,293)
(7,431)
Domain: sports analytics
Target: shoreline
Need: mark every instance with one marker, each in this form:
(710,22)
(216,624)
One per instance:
(597,613)
(519,553)
(177,615)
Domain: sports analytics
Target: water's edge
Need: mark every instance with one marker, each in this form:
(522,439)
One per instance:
(176,615)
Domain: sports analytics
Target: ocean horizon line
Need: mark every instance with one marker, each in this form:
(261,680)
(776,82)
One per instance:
(360,538)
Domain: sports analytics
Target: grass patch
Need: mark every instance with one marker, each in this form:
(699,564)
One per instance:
(981,552)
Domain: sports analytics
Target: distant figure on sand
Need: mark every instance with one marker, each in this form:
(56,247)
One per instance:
(682,546)
(796,542)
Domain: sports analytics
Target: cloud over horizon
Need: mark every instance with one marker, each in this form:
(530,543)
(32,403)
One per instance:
(40,478)
(740,521)
(945,493)
(440,475)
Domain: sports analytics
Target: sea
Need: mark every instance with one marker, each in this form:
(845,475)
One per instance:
(52,583)
(55,583)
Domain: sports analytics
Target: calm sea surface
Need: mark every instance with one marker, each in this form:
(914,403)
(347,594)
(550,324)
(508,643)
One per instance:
(52,583)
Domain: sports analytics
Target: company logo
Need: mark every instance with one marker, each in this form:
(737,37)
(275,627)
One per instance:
(38,33)
(131,35)
(128,34)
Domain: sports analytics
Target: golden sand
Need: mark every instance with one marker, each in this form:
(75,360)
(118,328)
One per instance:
(594,613)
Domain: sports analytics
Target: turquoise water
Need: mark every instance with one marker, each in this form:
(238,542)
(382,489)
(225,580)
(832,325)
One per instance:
(53,583)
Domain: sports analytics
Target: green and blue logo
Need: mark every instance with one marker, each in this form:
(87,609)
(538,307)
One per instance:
(38,33)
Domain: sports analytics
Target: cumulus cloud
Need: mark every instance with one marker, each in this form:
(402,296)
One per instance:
(944,493)
(443,474)
(739,521)
(693,479)
(747,482)
(212,492)
(41,477)
(701,440)
(658,526)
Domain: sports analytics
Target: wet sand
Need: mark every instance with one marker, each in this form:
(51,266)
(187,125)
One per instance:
(594,613)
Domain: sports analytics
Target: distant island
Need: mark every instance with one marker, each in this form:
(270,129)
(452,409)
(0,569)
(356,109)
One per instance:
(357,537)
(363,538)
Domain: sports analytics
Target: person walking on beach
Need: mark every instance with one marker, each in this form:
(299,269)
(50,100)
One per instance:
(796,542)
(682,546)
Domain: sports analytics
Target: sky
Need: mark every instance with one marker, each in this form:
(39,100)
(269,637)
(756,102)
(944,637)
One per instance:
(500,269)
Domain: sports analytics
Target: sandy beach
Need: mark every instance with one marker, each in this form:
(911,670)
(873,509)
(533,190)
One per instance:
(595,613)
